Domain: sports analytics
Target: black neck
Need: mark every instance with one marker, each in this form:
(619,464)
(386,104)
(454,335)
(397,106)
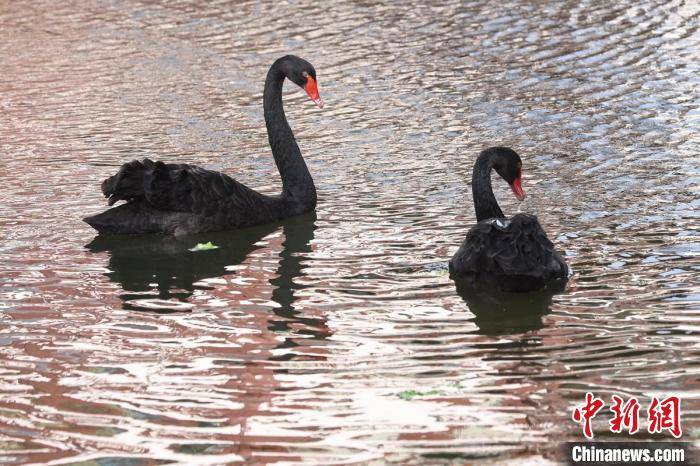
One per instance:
(485,204)
(297,184)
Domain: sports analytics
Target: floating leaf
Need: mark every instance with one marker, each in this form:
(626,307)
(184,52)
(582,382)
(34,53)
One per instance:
(204,247)
(411,394)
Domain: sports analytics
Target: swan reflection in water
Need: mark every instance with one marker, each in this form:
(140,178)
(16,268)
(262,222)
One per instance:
(163,267)
(503,313)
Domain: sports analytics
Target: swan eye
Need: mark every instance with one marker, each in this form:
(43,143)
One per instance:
(305,74)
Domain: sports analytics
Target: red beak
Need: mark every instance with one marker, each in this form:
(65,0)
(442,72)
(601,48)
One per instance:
(518,189)
(312,89)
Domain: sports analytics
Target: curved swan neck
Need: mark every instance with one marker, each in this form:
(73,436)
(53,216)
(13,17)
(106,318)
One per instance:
(297,184)
(485,204)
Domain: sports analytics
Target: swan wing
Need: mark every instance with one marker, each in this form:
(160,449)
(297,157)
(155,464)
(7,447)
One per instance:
(522,248)
(179,188)
(518,247)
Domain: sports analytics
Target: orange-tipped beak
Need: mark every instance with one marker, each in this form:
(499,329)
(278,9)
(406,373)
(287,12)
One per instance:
(312,89)
(518,189)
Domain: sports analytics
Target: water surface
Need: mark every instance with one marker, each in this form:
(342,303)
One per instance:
(301,342)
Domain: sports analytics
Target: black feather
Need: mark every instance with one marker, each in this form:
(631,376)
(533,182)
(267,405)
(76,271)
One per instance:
(513,255)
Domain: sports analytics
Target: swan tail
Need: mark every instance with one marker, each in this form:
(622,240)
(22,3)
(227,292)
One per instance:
(132,218)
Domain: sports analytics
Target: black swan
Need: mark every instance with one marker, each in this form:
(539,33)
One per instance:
(184,199)
(511,255)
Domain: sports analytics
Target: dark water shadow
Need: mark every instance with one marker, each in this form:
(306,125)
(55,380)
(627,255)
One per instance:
(501,313)
(298,234)
(163,267)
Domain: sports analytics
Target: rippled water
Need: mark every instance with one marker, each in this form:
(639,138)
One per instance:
(300,342)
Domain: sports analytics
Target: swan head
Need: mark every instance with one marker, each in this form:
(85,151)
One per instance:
(508,165)
(303,74)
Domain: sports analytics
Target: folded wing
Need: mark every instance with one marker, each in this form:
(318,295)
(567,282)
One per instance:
(179,188)
(515,253)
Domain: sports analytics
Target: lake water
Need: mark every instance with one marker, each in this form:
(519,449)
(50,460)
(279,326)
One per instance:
(339,337)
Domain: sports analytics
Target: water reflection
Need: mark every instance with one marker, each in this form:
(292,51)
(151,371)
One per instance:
(164,267)
(298,234)
(502,313)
